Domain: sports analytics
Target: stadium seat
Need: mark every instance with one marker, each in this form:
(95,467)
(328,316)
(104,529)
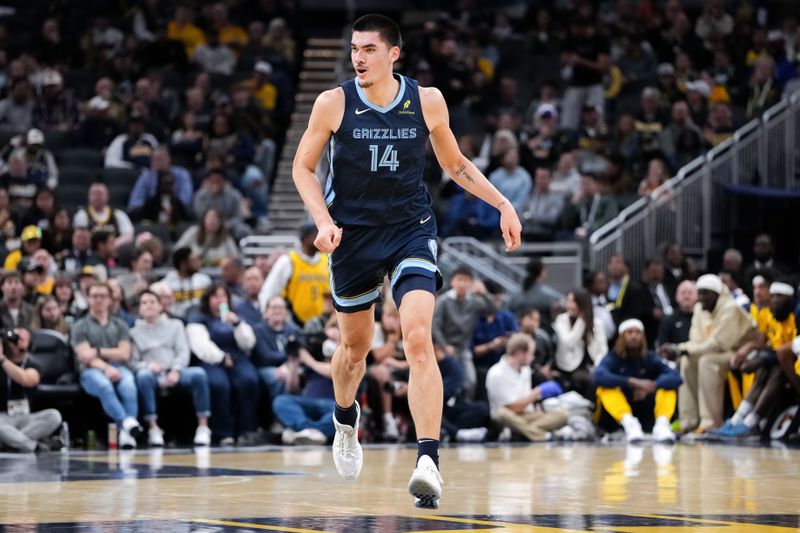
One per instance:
(79,157)
(51,353)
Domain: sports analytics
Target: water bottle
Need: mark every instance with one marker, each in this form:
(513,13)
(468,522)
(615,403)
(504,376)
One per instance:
(91,440)
(63,435)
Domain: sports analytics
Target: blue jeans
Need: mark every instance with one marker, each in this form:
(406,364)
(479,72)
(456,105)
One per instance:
(118,399)
(275,386)
(299,412)
(193,378)
(234,397)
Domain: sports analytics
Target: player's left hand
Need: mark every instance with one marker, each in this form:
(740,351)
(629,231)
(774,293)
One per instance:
(510,226)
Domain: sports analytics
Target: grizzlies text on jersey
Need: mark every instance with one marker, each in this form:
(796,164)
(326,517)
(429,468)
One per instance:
(378,156)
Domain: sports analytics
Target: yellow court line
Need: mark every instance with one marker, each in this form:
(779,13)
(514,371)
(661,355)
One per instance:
(508,526)
(256,526)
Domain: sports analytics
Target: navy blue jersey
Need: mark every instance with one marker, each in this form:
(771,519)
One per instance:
(378,159)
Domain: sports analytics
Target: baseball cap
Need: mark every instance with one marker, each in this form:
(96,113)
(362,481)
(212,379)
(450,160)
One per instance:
(263,67)
(35,136)
(26,264)
(51,77)
(699,86)
(88,270)
(31,232)
(546,111)
(98,103)
(666,69)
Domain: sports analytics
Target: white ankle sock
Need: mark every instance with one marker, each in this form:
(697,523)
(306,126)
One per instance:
(751,420)
(744,409)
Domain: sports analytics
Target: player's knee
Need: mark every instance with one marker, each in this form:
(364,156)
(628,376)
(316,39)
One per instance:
(355,349)
(417,344)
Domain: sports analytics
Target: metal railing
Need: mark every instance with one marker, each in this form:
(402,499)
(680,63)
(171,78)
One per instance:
(693,206)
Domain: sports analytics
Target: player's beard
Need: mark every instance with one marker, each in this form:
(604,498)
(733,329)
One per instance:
(365,84)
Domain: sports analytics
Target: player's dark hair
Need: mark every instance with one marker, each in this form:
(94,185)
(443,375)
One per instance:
(386,27)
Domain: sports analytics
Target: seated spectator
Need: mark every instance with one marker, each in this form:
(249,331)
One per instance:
(20,429)
(55,107)
(209,239)
(675,268)
(223,343)
(31,240)
(511,398)
(181,28)
(273,334)
(762,90)
(566,178)
(58,236)
(99,127)
(470,216)
(656,298)
(214,57)
(542,209)
(147,184)
(680,135)
(119,306)
(230,276)
(99,216)
(80,253)
(492,330)
(47,315)
(512,180)
(537,293)
(763,259)
(16,109)
(163,208)
(455,318)
(634,385)
(597,285)
(133,148)
(248,307)
(737,293)
(161,361)
(628,298)
(138,279)
(14,311)
(166,298)
(64,294)
(718,328)
(588,210)
(581,342)
(779,331)
(104,249)
(217,193)
(17,181)
(719,125)
(307,415)
(103,348)
(188,141)
(674,329)
(186,281)
(657,175)
(593,134)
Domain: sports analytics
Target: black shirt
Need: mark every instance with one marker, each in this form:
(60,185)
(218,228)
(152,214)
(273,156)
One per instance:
(675,328)
(590,49)
(11,390)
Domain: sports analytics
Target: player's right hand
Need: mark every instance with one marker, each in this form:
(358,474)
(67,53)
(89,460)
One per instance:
(328,237)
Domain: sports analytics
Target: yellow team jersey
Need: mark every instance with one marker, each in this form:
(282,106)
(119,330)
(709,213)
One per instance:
(190,35)
(307,286)
(760,317)
(780,333)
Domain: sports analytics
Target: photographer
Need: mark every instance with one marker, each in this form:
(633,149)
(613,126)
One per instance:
(270,353)
(19,428)
(308,417)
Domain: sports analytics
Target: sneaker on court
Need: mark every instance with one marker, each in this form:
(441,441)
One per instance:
(202,436)
(347,454)
(633,429)
(425,484)
(472,435)
(736,432)
(724,428)
(662,432)
(155,437)
(287,436)
(310,436)
(126,440)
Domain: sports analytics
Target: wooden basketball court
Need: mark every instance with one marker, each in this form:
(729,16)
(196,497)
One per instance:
(536,488)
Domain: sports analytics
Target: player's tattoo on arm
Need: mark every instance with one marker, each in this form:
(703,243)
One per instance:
(462,171)
(501,204)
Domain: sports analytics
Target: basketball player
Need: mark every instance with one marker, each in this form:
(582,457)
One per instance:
(375,217)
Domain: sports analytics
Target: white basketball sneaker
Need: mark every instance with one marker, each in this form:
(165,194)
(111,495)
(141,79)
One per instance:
(347,454)
(425,484)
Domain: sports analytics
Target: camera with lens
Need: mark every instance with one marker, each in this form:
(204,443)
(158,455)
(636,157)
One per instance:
(312,342)
(9,337)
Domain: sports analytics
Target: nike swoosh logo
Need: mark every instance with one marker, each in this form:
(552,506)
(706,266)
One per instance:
(360,111)
(424,220)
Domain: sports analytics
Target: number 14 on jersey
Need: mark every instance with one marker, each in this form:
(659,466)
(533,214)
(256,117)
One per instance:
(388,159)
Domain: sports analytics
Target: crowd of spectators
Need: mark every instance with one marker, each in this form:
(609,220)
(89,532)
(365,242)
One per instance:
(180,110)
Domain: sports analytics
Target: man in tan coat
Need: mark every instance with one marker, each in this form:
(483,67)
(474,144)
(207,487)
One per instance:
(718,328)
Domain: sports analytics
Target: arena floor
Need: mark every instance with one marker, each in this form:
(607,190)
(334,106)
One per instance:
(536,488)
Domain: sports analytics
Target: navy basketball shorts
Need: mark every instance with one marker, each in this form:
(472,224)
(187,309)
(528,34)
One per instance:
(367,254)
